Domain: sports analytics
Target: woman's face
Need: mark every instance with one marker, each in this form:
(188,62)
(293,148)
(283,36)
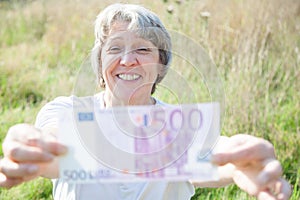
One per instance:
(129,66)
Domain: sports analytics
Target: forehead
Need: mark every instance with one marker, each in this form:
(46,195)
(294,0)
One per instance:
(121,30)
(118,26)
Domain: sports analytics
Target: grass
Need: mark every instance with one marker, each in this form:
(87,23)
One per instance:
(255,46)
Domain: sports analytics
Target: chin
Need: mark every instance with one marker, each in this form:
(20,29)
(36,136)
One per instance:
(124,94)
(132,97)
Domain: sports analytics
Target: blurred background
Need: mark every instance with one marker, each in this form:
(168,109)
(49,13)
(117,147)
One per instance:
(255,45)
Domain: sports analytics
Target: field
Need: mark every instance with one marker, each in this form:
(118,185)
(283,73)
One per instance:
(255,46)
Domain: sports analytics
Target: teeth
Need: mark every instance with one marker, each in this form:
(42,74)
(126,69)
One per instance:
(128,77)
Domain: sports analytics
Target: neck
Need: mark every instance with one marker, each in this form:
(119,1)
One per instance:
(111,100)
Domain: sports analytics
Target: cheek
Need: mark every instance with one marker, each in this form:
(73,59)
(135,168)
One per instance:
(105,69)
(108,62)
(152,70)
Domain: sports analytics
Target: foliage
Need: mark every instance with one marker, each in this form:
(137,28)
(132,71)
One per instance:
(255,46)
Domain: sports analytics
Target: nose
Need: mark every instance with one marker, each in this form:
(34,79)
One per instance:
(129,59)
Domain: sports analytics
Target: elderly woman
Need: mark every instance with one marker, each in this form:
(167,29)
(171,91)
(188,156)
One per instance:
(130,56)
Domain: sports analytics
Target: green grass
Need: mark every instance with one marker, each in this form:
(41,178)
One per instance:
(38,189)
(255,46)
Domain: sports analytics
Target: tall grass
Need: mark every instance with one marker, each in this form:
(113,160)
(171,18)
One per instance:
(254,44)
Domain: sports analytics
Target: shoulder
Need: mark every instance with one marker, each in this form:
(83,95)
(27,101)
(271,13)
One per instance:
(65,102)
(49,114)
(59,103)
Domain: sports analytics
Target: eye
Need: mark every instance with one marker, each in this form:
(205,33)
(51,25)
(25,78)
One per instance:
(143,50)
(114,49)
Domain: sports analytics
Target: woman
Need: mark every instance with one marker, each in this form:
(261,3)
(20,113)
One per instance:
(130,56)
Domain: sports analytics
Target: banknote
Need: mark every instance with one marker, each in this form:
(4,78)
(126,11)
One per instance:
(139,143)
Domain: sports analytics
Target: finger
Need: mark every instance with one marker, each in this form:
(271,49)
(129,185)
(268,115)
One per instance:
(29,135)
(22,153)
(248,152)
(55,148)
(285,190)
(264,195)
(244,181)
(22,132)
(49,145)
(271,171)
(9,182)
(280,190)
(15,170)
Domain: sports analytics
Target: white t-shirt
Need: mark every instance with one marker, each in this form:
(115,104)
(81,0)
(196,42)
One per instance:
(48,116)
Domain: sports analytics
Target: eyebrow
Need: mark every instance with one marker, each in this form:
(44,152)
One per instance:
(137,40)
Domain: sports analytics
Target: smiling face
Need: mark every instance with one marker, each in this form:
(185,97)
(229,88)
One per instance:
(130,66)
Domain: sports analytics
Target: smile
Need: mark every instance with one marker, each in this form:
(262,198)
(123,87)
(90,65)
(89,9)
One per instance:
(128,77)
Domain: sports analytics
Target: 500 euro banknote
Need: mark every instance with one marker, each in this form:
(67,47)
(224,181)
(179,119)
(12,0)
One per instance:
(139,143)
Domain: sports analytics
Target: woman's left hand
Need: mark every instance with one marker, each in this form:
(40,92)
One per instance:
(255,167)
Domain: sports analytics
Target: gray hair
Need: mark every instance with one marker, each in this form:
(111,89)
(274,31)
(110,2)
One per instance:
(145,23)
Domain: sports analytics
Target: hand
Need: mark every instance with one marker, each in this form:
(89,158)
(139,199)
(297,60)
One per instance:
(28,153)
(255,167)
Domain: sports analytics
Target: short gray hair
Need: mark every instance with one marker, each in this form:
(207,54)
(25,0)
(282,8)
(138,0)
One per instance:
(144,22)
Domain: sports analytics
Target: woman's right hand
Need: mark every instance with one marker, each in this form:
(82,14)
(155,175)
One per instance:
(29,153)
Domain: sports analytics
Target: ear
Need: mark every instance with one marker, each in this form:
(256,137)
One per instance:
(101,81)
(100,76)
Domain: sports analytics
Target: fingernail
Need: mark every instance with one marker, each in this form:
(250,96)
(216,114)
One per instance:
(32,169)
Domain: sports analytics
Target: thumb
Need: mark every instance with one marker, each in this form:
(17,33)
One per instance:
(220,159)
(222,146)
